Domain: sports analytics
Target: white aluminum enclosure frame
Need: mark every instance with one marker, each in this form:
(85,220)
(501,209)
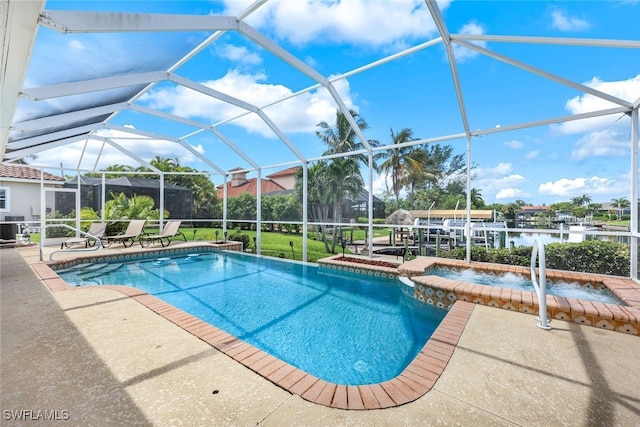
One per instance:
(24,18)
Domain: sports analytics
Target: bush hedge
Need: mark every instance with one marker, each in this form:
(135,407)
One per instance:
(237,236)
(590,256)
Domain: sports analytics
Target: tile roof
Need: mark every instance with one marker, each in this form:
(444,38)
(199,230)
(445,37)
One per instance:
(285,172)
(250,186)
(25,172)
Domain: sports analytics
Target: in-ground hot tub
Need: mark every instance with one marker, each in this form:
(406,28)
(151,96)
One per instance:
(619,311)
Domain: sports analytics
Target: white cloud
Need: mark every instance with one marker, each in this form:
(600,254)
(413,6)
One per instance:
(463,53)
(532,154)
(501,169)
(516,145)
(601,136)
(379,185)
(560,21)
(600,144)
(239,54)
(499,182)
(511,193)
(68,155)
(310,61)
(299,114)
(593,186)
(199,148)
(373,23)
(627,90)
(76,45)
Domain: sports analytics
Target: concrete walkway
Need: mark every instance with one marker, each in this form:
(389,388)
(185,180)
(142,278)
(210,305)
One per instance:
(96,357)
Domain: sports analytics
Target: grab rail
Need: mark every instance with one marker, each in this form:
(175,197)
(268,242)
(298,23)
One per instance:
(541,288)
(43,232)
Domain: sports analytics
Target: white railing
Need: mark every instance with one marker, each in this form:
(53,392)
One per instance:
(43,232)
(540,287)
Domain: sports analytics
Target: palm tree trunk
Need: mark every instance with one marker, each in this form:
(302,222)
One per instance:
(337,218)
(320,212)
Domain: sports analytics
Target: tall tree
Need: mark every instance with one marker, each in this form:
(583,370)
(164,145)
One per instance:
(319,194)
(477,201)
(620,203)
(341,137)
(400,162)
(440,178)
(585,199)
(419,174)
(344,177)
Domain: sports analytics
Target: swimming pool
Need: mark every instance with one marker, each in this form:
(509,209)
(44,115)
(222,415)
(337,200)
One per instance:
(346,329)
(591,292)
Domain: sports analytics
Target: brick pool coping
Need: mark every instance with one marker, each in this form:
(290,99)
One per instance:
(444,292)
(414,382)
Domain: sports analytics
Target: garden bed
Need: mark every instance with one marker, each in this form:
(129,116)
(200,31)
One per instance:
(365,261)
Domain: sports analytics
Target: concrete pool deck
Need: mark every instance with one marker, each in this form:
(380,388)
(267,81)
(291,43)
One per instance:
(99,357)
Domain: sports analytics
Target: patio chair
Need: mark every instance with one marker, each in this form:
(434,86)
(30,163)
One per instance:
(96,229)
(134,231)
(169,233)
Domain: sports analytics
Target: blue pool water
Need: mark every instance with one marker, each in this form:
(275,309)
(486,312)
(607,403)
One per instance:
(597,292)
(344,328)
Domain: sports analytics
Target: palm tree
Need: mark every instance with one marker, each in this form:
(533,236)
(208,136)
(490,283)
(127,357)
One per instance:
(476,198)
(343,175)
(621,203)
(400,162)
(345,180)
(421,173)
(319,193)
(165,164)
(341,137)
(113,168)
(585,199)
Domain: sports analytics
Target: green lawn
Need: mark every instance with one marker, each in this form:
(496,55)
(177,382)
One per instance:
(274,243)
(277,244)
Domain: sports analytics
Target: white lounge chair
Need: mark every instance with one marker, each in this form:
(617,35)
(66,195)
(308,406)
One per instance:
(133,232)
(170,232)
(96,229)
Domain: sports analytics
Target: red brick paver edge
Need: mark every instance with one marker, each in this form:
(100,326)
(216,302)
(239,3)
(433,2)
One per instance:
(414,382)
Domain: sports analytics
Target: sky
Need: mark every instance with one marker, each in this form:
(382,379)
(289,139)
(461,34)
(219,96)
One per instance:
(540,165)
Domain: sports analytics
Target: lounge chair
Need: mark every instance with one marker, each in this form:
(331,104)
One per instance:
(133,232)
(96,229)
(169,233)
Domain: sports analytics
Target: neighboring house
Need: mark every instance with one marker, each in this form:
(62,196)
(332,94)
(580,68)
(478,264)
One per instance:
(239,184)
(285,178)
(609,207)
(530,211)
(284,182)
(20,192)
(564,216)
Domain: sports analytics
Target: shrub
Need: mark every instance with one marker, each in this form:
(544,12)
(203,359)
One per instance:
(590,256)
(365,220)
(237,236)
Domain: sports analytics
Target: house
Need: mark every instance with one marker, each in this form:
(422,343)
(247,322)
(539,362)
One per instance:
(614,209)
(528,212)
(20,192)
(284,182)
(239,184)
